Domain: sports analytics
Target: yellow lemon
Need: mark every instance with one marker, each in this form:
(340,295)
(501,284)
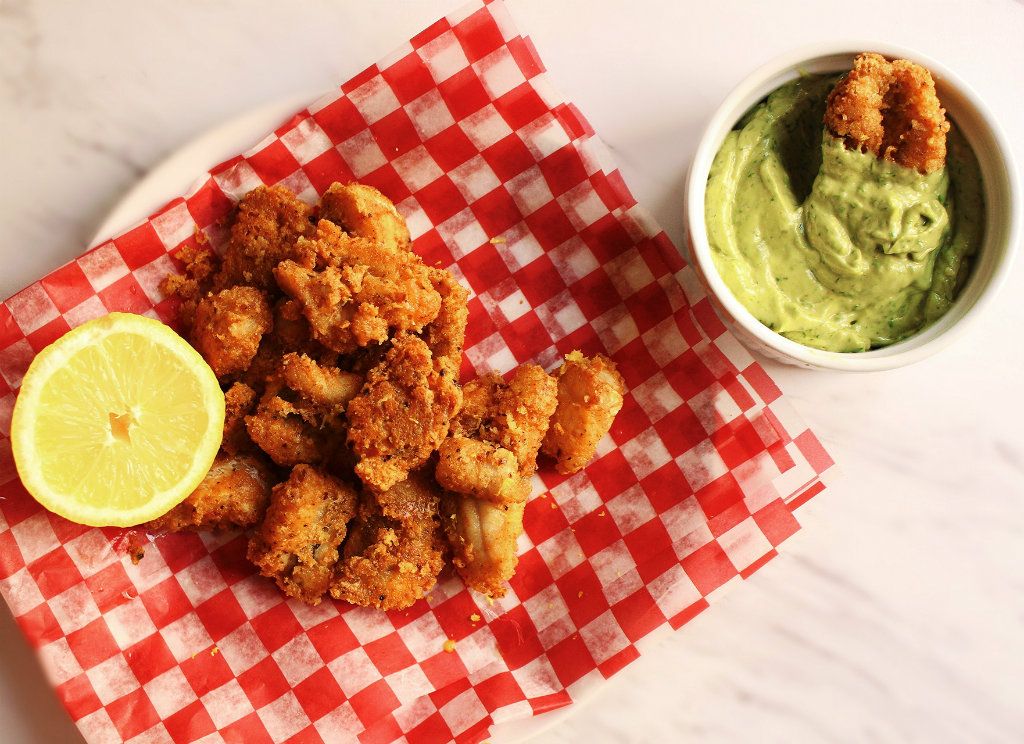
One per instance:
(116,422)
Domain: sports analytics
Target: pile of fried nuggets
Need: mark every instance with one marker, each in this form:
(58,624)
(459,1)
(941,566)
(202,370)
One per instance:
(350,449)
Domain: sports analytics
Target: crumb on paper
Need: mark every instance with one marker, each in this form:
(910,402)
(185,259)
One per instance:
(475,618)
(579,595)
(498,240)
(214,651)
(554,505)
(449,646)
(600,514)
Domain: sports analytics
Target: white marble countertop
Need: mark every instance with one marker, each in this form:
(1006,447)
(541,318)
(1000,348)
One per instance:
(897,614)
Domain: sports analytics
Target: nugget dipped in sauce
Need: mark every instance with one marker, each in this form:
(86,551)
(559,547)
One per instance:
(891,110)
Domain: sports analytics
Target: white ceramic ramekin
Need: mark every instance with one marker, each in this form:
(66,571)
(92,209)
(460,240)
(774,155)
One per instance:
(1004,210)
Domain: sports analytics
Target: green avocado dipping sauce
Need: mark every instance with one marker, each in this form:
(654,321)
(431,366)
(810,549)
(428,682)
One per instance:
(835,248)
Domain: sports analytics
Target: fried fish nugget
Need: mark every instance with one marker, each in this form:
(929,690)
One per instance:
(354,292)
(327,387)
(488,481)
(298,543)
(401,415)
(513,415)
(279,428)
(228,327)
(396,549)
(362,210)
(480,469)
(891,110)
(492,449)
(522,412)
(478,397)
(268,222)
(239,402)
(482,536)
(446,334)
(291,329)
(234,494)
(590,394)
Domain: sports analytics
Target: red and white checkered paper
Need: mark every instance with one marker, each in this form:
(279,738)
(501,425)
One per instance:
(503,181)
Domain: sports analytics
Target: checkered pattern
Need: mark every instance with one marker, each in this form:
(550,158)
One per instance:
(504,181)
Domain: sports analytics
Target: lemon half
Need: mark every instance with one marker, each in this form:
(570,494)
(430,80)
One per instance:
(116,422)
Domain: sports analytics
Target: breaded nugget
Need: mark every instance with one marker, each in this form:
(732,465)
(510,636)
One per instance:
(500,425)
(320,385)
(396,549)
(228,327)
(482,513)
(401,415)
(363,292)
(480,469)
(234,494)
(297,545)
(268,222)
(446,334)
(589,396)
(239,402)
(482,536)
(890,109)
(521,414)
(279,428)
(478,399)
(513,415)
(363,211)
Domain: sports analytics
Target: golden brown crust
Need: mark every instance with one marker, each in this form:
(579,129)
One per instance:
(482,536)
(486,464)
(396,549)
(268,223)
(234,494)
(890,109)
(590,394)
(316,327)
(354,292)
(480,469)
(363,211)
(320,385)
(200,264)
(401,415)
(298,543)
(279,428)
(513,415)
(228,328)
(239,402)
(290,334)
(446,334)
